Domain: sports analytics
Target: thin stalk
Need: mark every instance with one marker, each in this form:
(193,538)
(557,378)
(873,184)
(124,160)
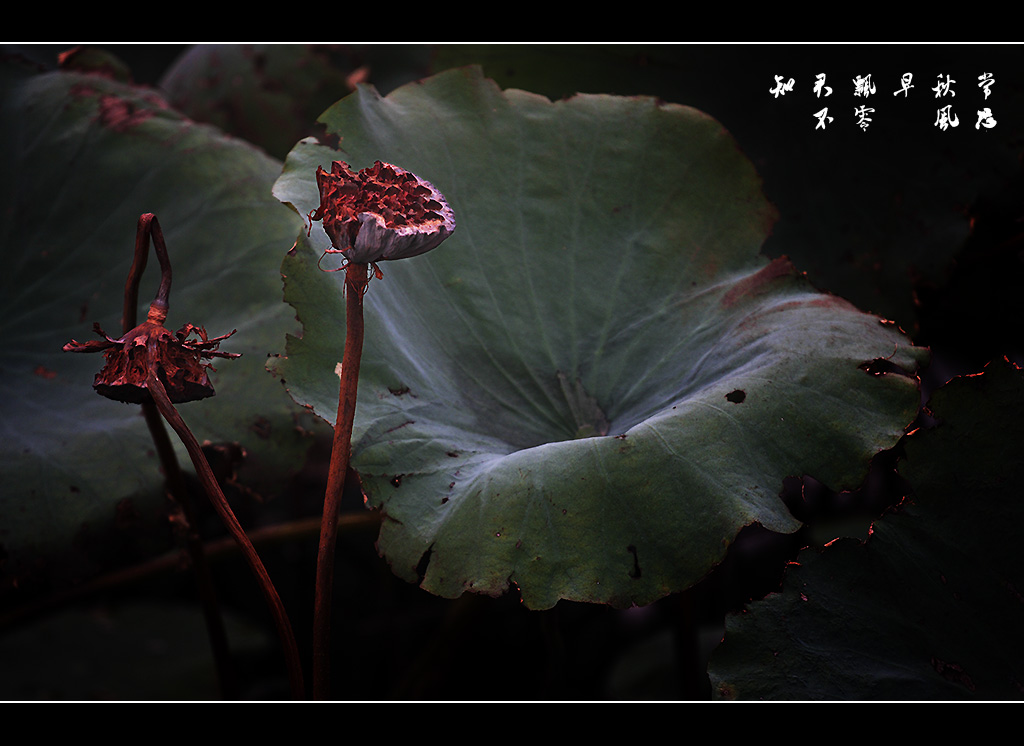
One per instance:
(341,453)
(205,588)
(148,226)
(223,508)
(161,405)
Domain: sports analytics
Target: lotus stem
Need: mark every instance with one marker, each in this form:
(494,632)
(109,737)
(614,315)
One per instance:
(223,508)
(341,454)
(149,227)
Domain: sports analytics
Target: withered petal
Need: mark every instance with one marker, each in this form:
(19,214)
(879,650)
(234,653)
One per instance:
(179,362)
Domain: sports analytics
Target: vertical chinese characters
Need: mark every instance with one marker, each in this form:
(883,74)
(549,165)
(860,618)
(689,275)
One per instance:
(944,116)
(863,87)
(985,118)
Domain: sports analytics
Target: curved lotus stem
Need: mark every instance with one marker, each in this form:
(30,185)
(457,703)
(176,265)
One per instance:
(151,366)
(220,504)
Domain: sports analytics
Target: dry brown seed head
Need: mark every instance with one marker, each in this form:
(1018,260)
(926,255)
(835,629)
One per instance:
(380,213)
(179,360)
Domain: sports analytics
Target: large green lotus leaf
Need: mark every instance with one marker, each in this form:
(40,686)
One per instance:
(82,157)
(596,381)
(929,606)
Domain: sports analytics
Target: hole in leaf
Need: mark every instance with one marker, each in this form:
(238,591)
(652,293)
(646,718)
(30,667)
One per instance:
(635,572)
(421,566)
(881,366)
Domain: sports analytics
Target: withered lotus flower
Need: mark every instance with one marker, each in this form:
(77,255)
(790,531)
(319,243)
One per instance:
(155,368)
(179,360)
(380,213)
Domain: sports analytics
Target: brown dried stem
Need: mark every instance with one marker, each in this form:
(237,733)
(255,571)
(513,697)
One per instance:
(149,226)
(137,367)
(178,492)
(223,508)
(341,453)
